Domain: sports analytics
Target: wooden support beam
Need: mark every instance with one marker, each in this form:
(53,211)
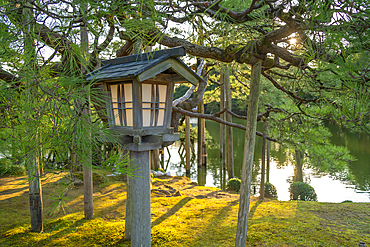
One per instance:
(268,151)
(187,145)
(263,159)
(200,134)
(250,137)
(229,130)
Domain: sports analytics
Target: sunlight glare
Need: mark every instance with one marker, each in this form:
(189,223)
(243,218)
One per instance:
(293,41)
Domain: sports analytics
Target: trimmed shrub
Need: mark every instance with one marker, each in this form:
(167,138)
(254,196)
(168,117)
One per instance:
(302,191)
(160,169)
(270,190)
(234,184)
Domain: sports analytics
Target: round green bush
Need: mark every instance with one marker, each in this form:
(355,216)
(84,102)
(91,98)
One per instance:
(270,190)
(234,184)
(302,191)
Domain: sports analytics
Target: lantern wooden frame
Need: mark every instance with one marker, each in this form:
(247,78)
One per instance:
(143,125)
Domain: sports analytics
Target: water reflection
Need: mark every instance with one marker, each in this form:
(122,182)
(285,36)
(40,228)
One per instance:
(359,145)
(281,171)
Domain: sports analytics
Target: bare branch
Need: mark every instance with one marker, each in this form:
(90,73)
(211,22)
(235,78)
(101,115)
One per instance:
(286,55)
(216,119)
(285,90)
(125,50)
(282,75)
(109,37)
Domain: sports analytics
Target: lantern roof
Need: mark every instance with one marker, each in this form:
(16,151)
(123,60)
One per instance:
(147,65)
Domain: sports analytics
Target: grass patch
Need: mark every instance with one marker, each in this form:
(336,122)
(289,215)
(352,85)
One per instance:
(201,216)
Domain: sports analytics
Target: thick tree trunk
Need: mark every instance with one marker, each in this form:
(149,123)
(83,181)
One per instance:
(250,136)
(229,129)
(263,158)
(298,166)
(187,145)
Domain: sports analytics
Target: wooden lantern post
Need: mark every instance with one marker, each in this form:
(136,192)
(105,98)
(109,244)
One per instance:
(140,93)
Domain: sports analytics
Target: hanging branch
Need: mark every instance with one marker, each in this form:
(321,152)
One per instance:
(259,117)
(192,88)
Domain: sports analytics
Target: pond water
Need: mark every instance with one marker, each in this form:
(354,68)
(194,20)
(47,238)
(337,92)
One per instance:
(328,188)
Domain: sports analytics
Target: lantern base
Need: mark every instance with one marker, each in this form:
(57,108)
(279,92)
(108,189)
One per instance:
(144,143)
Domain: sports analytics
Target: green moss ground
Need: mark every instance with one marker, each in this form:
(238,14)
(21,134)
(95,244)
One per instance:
(201,216)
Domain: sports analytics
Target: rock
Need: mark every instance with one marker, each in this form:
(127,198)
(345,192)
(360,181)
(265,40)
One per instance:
(78,181)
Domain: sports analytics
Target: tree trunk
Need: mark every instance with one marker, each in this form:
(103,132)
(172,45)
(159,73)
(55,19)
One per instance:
(88,188)
(268,154)
(298,166)
(223,117)
(250,137)
(40,157)
(35,195)
(200,134)
(151,156)
(202,175)
(263,158)
(87,162)
(222,107)
(229,129)
(162,158)
(187,145)
(87,172)
(155,159)
(204,145)
(32,162)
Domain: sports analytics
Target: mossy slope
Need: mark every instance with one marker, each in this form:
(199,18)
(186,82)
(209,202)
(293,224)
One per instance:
(201,216)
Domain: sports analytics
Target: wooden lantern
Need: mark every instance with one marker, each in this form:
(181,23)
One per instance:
(140,93)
